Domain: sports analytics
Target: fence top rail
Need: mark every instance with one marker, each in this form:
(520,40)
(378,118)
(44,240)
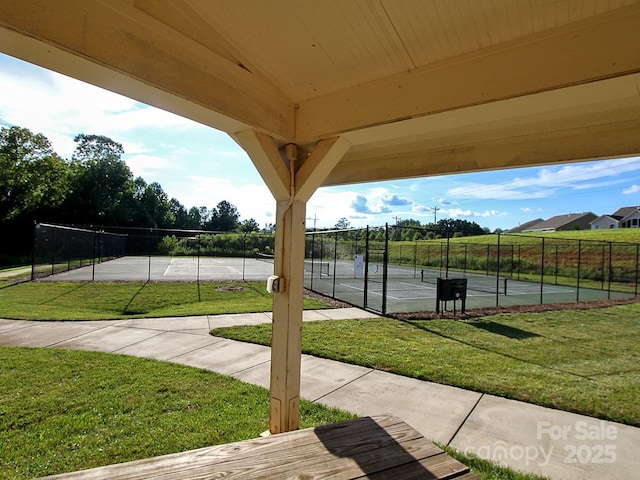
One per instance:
(76,229)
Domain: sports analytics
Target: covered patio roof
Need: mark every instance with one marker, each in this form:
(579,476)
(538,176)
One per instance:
(416,87)
(330,92)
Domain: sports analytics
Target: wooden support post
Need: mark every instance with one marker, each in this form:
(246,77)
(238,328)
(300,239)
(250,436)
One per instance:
(292,176)
(286,342)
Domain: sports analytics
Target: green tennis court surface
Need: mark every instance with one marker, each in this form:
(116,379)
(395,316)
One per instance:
(408,289)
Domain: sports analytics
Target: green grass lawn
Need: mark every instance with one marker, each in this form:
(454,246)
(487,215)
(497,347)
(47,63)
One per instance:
(100,301)
(584,361)
(62,411)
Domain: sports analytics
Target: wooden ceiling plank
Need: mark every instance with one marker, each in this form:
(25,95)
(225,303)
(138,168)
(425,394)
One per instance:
(122,38)
(569,56)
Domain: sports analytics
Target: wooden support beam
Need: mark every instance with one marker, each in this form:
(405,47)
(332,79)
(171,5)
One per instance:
(286,343)
(292,180)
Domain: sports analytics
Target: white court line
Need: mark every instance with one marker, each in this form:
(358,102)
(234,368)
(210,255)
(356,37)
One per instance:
(166,271)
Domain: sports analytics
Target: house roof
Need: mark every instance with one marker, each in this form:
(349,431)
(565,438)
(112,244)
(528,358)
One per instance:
(412,88)
(617,218)
(525,225)
(625,211)
(559,221)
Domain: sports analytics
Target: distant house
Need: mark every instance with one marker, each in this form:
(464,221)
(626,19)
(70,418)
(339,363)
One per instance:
(606,222)
(521,228)
(630,217)
(563,223)
(625,217)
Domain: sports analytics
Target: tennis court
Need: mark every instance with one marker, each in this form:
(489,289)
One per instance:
(170,269)
(401,289)
(408,289)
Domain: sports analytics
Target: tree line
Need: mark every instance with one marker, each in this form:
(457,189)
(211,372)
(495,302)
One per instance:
(94,187)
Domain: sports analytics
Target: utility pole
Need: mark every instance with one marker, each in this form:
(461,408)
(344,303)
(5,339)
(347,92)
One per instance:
(315,219)
(435,209)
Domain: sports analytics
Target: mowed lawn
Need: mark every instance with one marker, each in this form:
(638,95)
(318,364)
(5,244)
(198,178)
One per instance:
(584,361)
(103,301)
(63,411)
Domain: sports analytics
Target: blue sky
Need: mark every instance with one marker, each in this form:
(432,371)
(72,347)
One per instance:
(201,167)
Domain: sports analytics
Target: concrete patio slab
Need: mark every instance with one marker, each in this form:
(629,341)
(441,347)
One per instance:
(436,411)
(553,443)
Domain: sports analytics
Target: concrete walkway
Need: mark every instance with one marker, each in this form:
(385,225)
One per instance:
(534,439)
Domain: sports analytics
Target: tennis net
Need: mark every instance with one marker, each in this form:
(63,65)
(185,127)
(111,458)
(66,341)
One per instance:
(315,267)
(479,283)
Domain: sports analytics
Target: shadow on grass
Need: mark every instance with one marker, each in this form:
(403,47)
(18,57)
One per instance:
(68,292)
(504,330)
(126,311)
(494,351)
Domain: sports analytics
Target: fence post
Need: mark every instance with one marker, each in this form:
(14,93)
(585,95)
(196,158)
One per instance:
(366,269)
(610,273)
(385,263)
(498,274)
(335,262)
(637,259)
(149,254)
(578,275)
(313,255)
(466,250)
(446,271)
(33,251)
(542,273)
(244,254)
(93,258)
(602,269)
(556,272)
(487,261)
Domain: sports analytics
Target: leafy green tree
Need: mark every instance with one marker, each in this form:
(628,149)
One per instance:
(342,224)
(33,179)
(224,217)
(249,226)
(180,214)
(102,186)
(195,220)
(154,205)
(463,226)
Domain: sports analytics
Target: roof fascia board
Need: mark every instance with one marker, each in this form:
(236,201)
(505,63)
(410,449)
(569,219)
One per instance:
(619,139)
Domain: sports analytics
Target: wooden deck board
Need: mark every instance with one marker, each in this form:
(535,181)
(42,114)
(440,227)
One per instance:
(380,447)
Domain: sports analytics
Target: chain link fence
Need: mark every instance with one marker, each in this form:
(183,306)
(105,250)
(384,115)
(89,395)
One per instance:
(60,248)
(378,269)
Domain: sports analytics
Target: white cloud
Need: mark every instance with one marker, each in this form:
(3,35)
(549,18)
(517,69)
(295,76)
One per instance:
(468,213)
(632,189)
(142,165)
(546,182)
